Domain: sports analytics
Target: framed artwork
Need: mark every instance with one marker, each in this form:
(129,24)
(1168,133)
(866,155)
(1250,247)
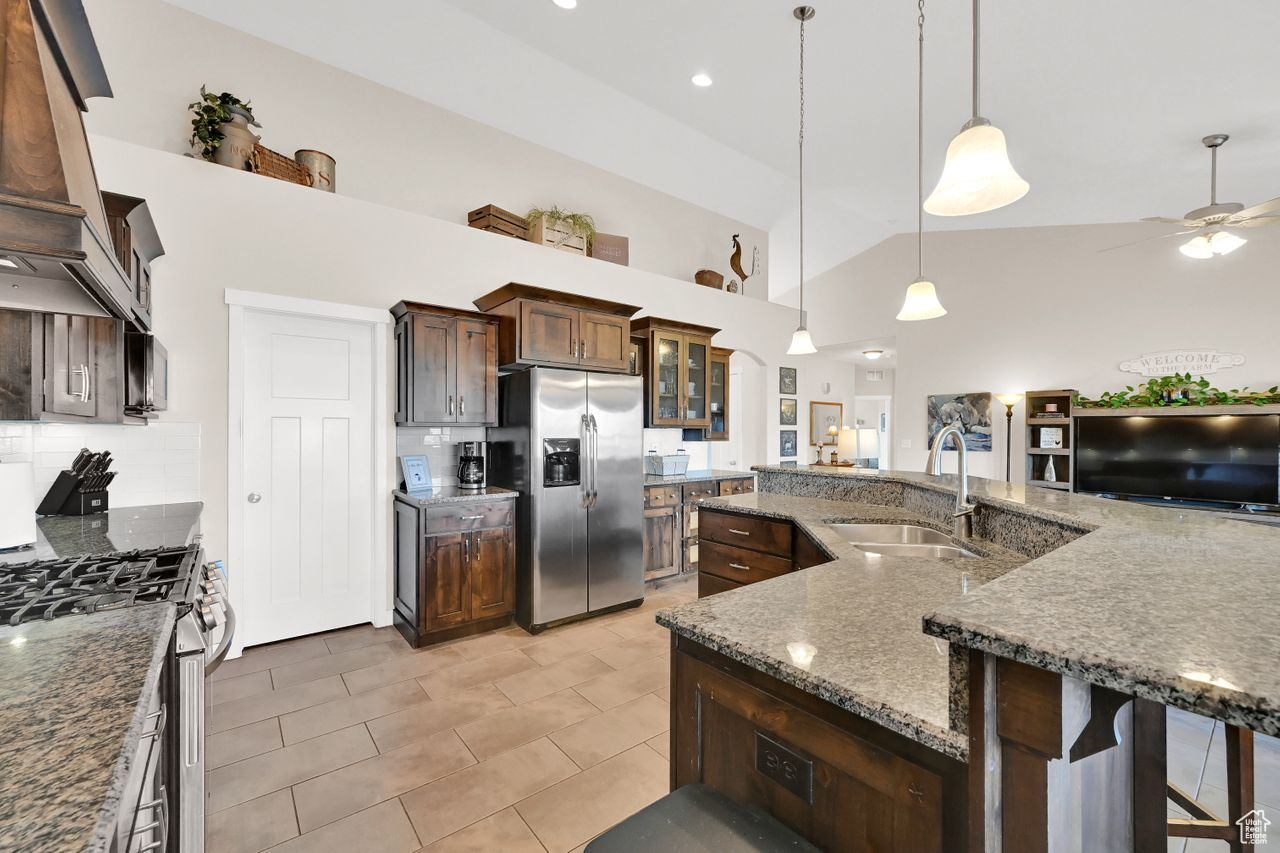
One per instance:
(416,473)
(787,411)
(970,412)
(786,380)
(823,418)
(787,442)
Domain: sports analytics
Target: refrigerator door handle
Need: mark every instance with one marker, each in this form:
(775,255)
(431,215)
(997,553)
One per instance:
(584,461)
(595,459)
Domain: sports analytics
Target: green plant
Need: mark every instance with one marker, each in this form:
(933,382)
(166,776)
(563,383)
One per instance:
(1180,389)
(575,223)
(210,113)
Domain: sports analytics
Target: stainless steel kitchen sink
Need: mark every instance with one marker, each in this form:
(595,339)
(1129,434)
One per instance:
(935,552)
(891,534)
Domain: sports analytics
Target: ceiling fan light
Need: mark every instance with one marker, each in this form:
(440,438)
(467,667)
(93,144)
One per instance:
(977,176)
(921,302)
(801,343)
(1197,247)
(1224,242)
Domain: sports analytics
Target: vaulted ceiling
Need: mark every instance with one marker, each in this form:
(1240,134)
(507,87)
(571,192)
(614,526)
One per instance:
(1103,102)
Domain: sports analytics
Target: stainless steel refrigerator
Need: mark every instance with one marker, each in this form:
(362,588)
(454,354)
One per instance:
(570,443)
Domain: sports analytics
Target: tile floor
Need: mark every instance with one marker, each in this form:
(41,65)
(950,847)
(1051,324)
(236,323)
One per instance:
(352,740)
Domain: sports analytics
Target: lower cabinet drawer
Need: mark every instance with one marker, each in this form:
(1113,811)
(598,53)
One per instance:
(738,564)
(746,531)
(711,584)
(456,518)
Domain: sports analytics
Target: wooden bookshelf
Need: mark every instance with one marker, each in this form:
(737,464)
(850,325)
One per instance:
(1038,458)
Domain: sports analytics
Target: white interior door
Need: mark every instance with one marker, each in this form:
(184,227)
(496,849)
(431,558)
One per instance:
(308,475)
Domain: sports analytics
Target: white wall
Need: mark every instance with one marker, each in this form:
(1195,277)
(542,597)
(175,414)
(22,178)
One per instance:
(226,229)
(1040,308)
(391,149)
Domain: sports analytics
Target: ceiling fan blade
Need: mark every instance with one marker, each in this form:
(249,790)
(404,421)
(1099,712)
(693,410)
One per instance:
(1149,239)
(1254,222)
(1267,207)
(1188,222)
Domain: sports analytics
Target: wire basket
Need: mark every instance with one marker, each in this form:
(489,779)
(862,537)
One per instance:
(666,466)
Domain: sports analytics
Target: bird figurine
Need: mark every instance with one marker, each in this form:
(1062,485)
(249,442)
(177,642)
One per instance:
(735,262)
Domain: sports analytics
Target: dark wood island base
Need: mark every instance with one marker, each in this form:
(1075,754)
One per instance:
(839,780)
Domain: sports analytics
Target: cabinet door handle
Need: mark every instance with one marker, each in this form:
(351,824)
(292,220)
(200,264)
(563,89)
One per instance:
(582,347)
(466,548)
(739,532)
(471,517)
(573,347)
(739,566)
(450,411)
(83,372)
(462,406)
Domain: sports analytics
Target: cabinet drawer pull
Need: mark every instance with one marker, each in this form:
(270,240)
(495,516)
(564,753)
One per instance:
(739,532)
(472,517)
(739,566)
(673,497)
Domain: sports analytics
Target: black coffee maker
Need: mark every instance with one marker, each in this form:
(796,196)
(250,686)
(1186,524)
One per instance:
(471,465)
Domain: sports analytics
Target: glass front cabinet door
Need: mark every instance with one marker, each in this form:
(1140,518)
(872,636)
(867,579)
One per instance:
(719,395)
(697,381)
(677,360)
(667,379)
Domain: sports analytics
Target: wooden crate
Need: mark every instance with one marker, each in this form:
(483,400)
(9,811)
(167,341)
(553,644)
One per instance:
(495,219)
(557,237)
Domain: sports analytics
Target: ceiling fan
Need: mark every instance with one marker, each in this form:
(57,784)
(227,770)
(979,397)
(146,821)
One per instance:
(1215,225)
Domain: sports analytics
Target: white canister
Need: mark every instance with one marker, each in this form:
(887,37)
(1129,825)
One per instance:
(17,505)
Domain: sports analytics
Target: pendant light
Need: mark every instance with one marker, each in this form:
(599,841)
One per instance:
(801,340)
(977,176)
(922,300)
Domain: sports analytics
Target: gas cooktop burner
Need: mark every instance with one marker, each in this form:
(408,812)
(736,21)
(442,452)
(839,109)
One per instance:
(45,589)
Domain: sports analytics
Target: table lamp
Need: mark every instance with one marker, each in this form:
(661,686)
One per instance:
(868,443)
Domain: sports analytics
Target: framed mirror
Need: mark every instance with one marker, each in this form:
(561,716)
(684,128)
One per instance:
(825,420)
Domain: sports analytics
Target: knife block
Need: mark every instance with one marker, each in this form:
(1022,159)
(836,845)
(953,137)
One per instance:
(65,497)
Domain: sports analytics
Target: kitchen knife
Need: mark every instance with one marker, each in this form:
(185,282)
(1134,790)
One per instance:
(81,461)
(104,462)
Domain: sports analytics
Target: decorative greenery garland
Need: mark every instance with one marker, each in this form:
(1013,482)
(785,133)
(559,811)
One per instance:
(1178,390)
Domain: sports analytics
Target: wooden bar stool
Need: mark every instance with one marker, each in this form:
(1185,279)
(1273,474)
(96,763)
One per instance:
(1152,789)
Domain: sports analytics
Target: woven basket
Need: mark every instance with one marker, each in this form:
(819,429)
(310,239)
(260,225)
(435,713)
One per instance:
(273,164)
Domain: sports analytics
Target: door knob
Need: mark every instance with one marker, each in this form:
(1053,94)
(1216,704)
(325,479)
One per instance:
(254,497)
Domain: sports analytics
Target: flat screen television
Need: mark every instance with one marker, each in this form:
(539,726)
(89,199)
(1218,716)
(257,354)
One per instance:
(1214,459)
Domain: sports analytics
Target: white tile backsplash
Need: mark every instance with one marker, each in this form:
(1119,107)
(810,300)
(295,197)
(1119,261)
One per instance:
(156,463)
(439,445)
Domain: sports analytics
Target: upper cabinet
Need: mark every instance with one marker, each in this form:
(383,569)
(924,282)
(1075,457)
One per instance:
(446,366)
(542,327)
(677,368)
(719,405)
(136,243)
(60,367)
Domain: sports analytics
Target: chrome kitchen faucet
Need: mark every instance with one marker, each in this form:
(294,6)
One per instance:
(963,515)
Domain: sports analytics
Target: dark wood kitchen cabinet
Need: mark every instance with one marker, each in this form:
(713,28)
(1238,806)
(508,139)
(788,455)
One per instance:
(550,328)
(839,780)
(677,371)
(455,568)
(446,366)
(671,522)
(736,549)
(136,244)
(61,367)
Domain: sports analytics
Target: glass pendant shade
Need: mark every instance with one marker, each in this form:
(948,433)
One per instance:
(801,343)
(1205,246)
(921,302)
(977,176)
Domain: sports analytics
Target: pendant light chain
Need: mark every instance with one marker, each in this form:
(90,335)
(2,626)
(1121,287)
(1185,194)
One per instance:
(802,18)
(920,146)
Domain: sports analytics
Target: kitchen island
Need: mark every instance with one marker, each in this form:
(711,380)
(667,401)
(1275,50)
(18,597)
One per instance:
(832,664)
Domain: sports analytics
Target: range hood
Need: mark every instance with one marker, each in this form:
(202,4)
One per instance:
(55,248)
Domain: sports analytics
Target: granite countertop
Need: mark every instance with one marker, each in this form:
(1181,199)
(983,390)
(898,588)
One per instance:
(848,631)
(455,495)
(696,477)
(73,702)
(1176,606)
(120,529)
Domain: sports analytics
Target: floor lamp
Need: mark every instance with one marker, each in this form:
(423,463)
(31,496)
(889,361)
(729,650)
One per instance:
(1009,400)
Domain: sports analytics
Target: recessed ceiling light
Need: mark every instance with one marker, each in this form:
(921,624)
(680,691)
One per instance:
(701,80)
(873,354)
(566,4)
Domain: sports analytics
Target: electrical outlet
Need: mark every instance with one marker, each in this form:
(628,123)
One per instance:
(426,439)
(906,444)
